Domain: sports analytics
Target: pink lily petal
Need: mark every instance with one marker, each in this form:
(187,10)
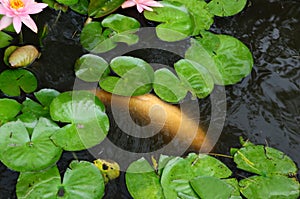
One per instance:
(17,24)
(29,23)
(146,8)
(139,8)
(128,4)
(35,8)
(153,4)
(5,21)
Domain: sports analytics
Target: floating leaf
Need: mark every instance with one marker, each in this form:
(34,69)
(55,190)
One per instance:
(195,77)
(197,8)
(45,96)
(5,39)
(81,7)
(8,51)
(21,151)
(210,187)
(81,180)
(23,56)
(91,68)
(177,23)
(100,8)
(178,173)
(88,123)
(270,187)
(142,181)
(110,170)
(67,2)
(167,86)
(120,23)
(9,109)
(131,82)
(223,8)
(265,161)
(11,81)
(232,60)
(34,108)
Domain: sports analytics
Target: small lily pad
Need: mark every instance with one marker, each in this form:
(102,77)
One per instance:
(81,7)
(91,68)
(224,8)
(100,8)
(140,173)
(270,187)
(168,87)
(8,51)
(5,39)
(130,82)
(12,81)
(176,21)
(110,169)
(178,172)
(81,180)
(120,23)
(45,96)
(67,2)
(9,109)
(22,151)
(87,123)
(195,77)
(265,161)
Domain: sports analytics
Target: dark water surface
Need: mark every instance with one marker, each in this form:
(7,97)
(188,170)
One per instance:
(264,107)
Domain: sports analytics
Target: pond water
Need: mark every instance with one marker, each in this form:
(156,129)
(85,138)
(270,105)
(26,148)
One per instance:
(263,107)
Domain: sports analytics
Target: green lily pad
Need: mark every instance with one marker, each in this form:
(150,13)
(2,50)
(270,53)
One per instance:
(11,81)
(142,173)
(21,151)
(67,2)
(270,187)
(195,77)
(176,21)
(167,86)
(34,108)
(45,96)
(178,172)
(120,23)
(223,8)
(81,7)
(5,39)
(100,8)
(265,161)
(232,60)
(29,120)
(130,82)
(210,187)
(197,8)
(81,180)
(87,122)
(91,68)
(8,51)
(9,109)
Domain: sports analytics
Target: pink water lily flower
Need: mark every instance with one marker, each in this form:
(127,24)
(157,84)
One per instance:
(18,11)
(141,4)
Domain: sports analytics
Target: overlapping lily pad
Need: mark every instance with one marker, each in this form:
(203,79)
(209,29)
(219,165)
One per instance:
(136,77)
(195,77)
(86,122)
(168,87)
(22,151)
(9,109)
(12,81)
(81,180)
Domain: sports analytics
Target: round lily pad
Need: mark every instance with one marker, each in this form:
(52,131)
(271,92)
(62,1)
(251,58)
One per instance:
(270,187)
(265,161)
(91,68)
(223,8)
(11,81)
(120,23)
(9,109)
(195,77)
(130,82)
(87,123)
(178,172)
(140,173)
(81,180)
(21,151)
(168,87)
(100,8)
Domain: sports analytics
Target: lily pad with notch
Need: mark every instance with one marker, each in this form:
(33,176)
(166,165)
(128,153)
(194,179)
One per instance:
(22,151)
(12,81)
(130,82)
(9,109)
(81,180)
(84,115)
(195,77)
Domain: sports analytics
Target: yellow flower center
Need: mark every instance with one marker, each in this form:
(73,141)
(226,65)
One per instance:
(16,4)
